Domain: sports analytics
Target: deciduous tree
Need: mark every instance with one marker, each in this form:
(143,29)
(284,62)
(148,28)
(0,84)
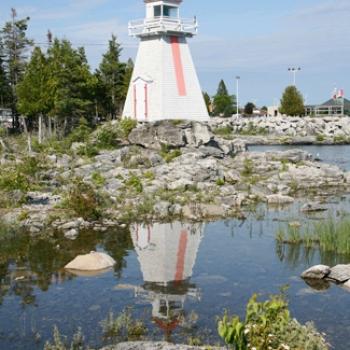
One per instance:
(292,102)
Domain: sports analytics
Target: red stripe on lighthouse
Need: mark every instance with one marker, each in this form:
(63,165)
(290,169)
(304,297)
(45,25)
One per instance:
(181,253)
(179,71)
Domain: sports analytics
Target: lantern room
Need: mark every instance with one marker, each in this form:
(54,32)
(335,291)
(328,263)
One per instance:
(156,9)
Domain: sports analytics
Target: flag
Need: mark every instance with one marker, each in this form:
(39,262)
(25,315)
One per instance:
(340,93)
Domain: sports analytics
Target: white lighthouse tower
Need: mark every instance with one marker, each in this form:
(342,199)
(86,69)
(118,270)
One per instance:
(164,84)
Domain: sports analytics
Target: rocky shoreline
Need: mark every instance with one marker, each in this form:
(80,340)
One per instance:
(167,171)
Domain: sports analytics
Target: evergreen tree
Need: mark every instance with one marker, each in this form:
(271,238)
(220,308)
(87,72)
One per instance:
(224,104)
(32,91)
(112,75)
(292,102)
(249,108)
(70,84)
(129,68)
(207,101)
(16,45)
(5,90)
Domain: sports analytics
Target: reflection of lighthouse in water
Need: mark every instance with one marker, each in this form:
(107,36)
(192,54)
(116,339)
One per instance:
(167,254)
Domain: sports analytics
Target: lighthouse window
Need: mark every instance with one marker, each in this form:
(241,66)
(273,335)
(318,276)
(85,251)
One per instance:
(157,11)
(169,11)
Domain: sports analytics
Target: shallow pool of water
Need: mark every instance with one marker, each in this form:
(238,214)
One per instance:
(337,154)
(177,277)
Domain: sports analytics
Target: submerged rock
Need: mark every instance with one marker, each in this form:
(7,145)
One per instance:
(317,272)
(312,207)
(93,261)
(279,199)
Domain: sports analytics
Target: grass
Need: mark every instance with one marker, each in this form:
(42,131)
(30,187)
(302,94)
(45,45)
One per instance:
(248,167)
(331,235)
(223,131)
(169,155)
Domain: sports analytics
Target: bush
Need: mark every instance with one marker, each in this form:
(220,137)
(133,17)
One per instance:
(268,325)
(126,125)
(106,138)
(83,200)
(169,155)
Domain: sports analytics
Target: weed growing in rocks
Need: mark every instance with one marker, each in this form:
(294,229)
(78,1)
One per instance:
(169,155)
(248,167)
(135,183)
(223,131)
(126,125)
(123,327)
(98,179)
(268,325)
(83,200)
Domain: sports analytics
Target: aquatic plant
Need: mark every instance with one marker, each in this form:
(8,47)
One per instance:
(123,327)
(268,325)
(60,341)
(331,235)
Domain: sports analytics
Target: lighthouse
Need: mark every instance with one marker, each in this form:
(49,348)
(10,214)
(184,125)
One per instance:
(164,83)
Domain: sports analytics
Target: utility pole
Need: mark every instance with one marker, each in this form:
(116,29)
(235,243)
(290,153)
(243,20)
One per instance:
(237,93)
(294,71)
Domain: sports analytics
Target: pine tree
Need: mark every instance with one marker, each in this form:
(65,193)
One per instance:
(32,91)
(5,90)
(112,75)
(70,84)
(224,104)
(207,101)
(292,102)
(16,45)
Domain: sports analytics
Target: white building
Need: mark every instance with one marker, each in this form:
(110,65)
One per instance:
(164,84)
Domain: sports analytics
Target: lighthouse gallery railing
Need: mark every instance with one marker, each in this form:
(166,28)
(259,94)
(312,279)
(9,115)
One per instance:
(157,25)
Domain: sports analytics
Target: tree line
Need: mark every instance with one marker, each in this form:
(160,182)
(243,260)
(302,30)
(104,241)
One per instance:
(54,88)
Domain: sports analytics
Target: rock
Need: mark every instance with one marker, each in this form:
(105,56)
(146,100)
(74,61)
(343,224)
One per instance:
(93,261)
(144,136)
(340,273)
(312,207)
(209,151)
(161,208)
(170,135)
(155,346)
(70,225)
(316,272)
(71,234)
(201,134)
(319,285)
(279,199)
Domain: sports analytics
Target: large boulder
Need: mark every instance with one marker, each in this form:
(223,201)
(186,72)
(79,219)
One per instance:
(144,136)
(170,135)
(93,261)
(316,272)
(340,273)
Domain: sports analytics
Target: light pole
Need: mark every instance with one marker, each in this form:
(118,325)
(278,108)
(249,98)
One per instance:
(294,71)
(237,92)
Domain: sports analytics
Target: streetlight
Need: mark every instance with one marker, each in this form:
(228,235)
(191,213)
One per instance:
(237,91)
(294,72)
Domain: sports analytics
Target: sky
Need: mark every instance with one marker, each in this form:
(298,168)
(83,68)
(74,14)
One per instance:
(256,40)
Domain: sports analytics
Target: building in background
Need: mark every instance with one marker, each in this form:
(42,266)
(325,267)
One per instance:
(164,83)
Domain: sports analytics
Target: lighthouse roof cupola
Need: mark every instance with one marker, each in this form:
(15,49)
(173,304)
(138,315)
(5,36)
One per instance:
(163,17)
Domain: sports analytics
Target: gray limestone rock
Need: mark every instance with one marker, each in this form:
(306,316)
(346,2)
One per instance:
(316,272)
(340,273)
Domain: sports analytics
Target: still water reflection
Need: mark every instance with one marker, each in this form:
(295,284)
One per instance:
(178,277)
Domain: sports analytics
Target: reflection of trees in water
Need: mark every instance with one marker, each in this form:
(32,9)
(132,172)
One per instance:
(27,262)
(298,254)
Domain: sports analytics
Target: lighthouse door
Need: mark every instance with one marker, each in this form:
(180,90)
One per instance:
(141,99)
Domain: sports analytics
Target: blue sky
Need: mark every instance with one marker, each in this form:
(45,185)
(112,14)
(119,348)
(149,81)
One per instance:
(257,40)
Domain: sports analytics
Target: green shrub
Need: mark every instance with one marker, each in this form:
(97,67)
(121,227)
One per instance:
(169,155)
(98,179)
(268,325)
(126,125)
(135,183)
(80,134)
(320,138)
(248,167)
(220,182)
(224,131)
(88,150)
(83,200)
(107,138)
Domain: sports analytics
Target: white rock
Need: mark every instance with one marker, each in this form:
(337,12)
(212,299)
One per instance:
(316,272)
(91,262)
(279,199)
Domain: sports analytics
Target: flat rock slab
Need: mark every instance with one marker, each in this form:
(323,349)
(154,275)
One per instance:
(93,261)
(317,272)
(155,346)
(340,273)
(312,208)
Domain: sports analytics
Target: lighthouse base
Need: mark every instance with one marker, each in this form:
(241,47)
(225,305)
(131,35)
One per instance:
(164,84)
